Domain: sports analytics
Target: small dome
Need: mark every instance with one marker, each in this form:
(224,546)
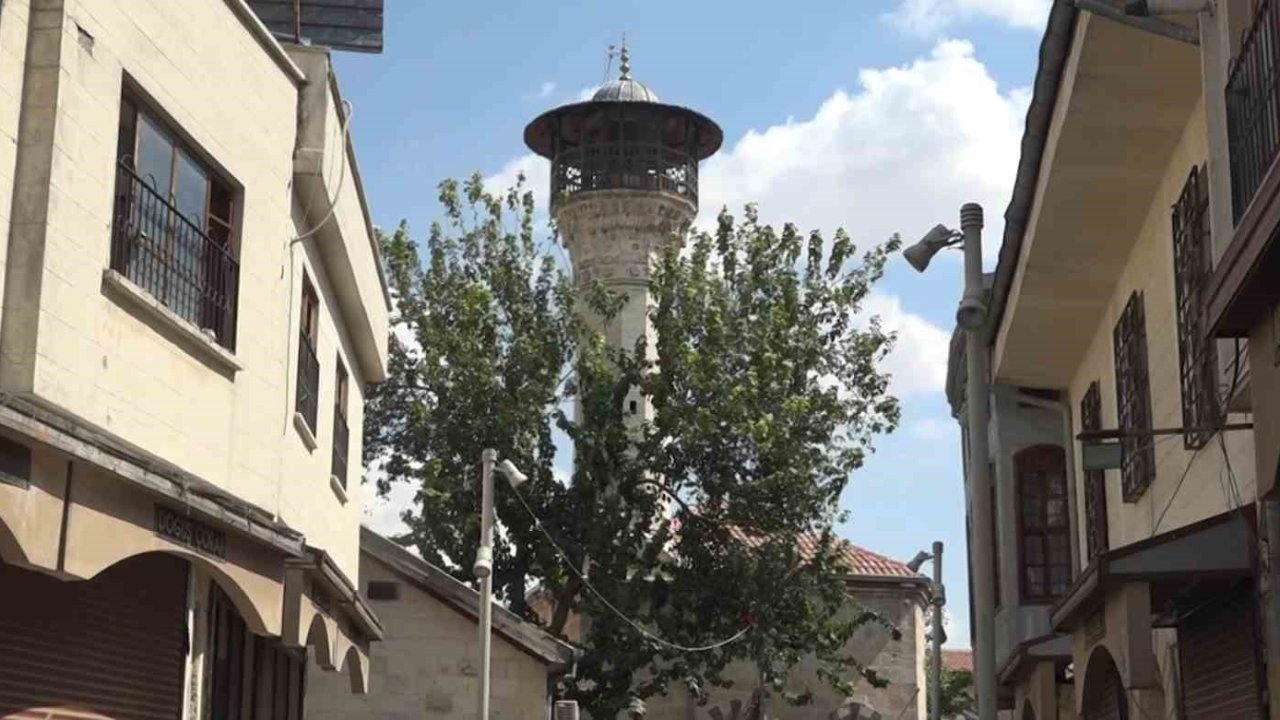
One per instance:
(625,89)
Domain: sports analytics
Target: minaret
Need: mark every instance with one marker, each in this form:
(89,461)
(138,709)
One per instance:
(624,183)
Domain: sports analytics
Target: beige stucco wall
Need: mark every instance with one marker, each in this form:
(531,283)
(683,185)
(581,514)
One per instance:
(13,46)
(78,346)
(1149,269)
(426,666)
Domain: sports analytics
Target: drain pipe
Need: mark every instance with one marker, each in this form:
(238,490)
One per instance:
(1068,445)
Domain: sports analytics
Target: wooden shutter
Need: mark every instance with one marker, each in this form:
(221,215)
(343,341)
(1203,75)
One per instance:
(1218,648)
(112,647)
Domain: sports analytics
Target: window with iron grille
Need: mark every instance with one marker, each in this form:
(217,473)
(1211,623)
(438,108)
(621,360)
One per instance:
(1043,522)
(1095,487)
(1197,356)
(341,435)
(308,391)
(173,223)
(1133,399)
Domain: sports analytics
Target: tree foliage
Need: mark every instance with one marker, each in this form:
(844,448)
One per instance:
(683,518)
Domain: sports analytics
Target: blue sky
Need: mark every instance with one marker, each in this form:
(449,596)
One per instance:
(879,116)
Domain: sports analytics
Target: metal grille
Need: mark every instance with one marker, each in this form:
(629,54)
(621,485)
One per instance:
(1133,398)
(308,380)
(625,166)
(1043,522)
(1253,114)
(1197,355)
(163,252)
(341,436)
(1095,487)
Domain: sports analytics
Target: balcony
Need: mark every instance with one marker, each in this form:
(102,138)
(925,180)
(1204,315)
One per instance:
(1239,294)
(174,259)
(624,166)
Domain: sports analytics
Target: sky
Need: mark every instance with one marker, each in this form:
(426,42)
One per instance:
(878,116)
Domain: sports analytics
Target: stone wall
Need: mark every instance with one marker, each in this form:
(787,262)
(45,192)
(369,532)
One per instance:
(428,664)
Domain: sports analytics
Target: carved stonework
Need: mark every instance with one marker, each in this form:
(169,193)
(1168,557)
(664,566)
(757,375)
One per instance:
(615,236)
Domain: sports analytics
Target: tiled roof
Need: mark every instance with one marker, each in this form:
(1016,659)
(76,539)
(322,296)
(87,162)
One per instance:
(859,560)
(957,660)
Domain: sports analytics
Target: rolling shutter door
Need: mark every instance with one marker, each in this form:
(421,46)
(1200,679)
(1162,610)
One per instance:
(112,647)
(1219,658)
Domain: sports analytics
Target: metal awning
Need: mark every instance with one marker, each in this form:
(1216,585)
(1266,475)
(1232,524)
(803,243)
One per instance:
(1218,548)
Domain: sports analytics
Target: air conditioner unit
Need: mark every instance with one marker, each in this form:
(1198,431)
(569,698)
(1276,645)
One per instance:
(565,710)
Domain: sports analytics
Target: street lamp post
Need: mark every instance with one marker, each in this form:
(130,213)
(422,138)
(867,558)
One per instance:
(483,568)
(971,316)
(938,599)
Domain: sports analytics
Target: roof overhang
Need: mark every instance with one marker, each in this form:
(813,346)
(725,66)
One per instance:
(525,636)
(569,120)
(1046,648)
(1099,135)
(1218,548)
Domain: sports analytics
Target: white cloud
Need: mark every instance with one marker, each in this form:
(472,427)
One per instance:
(929,17)
(918,362)
(901,152)
(537,175)
(382,514)
(546,89)
(933,428)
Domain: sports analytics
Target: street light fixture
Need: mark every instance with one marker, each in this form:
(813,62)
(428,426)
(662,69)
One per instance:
(483,567)
(937,636)
(971,316)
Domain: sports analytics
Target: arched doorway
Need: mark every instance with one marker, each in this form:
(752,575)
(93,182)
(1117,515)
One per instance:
(1104,697)
(1028,712)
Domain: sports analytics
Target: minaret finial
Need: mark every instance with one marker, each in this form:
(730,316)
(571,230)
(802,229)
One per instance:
(625,60)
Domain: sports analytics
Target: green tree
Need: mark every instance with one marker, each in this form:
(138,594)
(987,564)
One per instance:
(958,694)
(767,397)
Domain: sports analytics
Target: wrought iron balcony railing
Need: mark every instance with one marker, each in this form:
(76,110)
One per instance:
(1253,110)
(172,257)
(624,166)
(308,381)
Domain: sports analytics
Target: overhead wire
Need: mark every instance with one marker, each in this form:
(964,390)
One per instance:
(651,636)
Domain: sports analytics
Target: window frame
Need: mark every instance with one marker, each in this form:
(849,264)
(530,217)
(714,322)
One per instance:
(340,451)
(1046,530)
(1097,532)
(307,404)
(1133,398)
(202,289)
(1197,353)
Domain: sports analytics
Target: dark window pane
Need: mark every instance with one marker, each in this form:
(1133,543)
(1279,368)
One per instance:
(155,156)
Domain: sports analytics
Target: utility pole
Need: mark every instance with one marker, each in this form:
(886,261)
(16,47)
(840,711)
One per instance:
(938,600)
(484,570)
(977,410)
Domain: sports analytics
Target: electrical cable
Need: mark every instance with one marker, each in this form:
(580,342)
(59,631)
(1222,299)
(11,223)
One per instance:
(348,112)
(605,601)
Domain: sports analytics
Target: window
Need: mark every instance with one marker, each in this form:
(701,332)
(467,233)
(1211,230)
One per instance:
(1095,487)
(1043,522)
(308,363)
(383,590)
(1197,355)
(172,230)
(1133,399)
(341,437)
(15,462)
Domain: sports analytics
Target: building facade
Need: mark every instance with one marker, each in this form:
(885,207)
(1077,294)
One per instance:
(428,662)
(193,306)
(1134,584)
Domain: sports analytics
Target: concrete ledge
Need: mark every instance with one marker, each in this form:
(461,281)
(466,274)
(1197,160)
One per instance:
(308,437)
(336,486)
(186,332)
